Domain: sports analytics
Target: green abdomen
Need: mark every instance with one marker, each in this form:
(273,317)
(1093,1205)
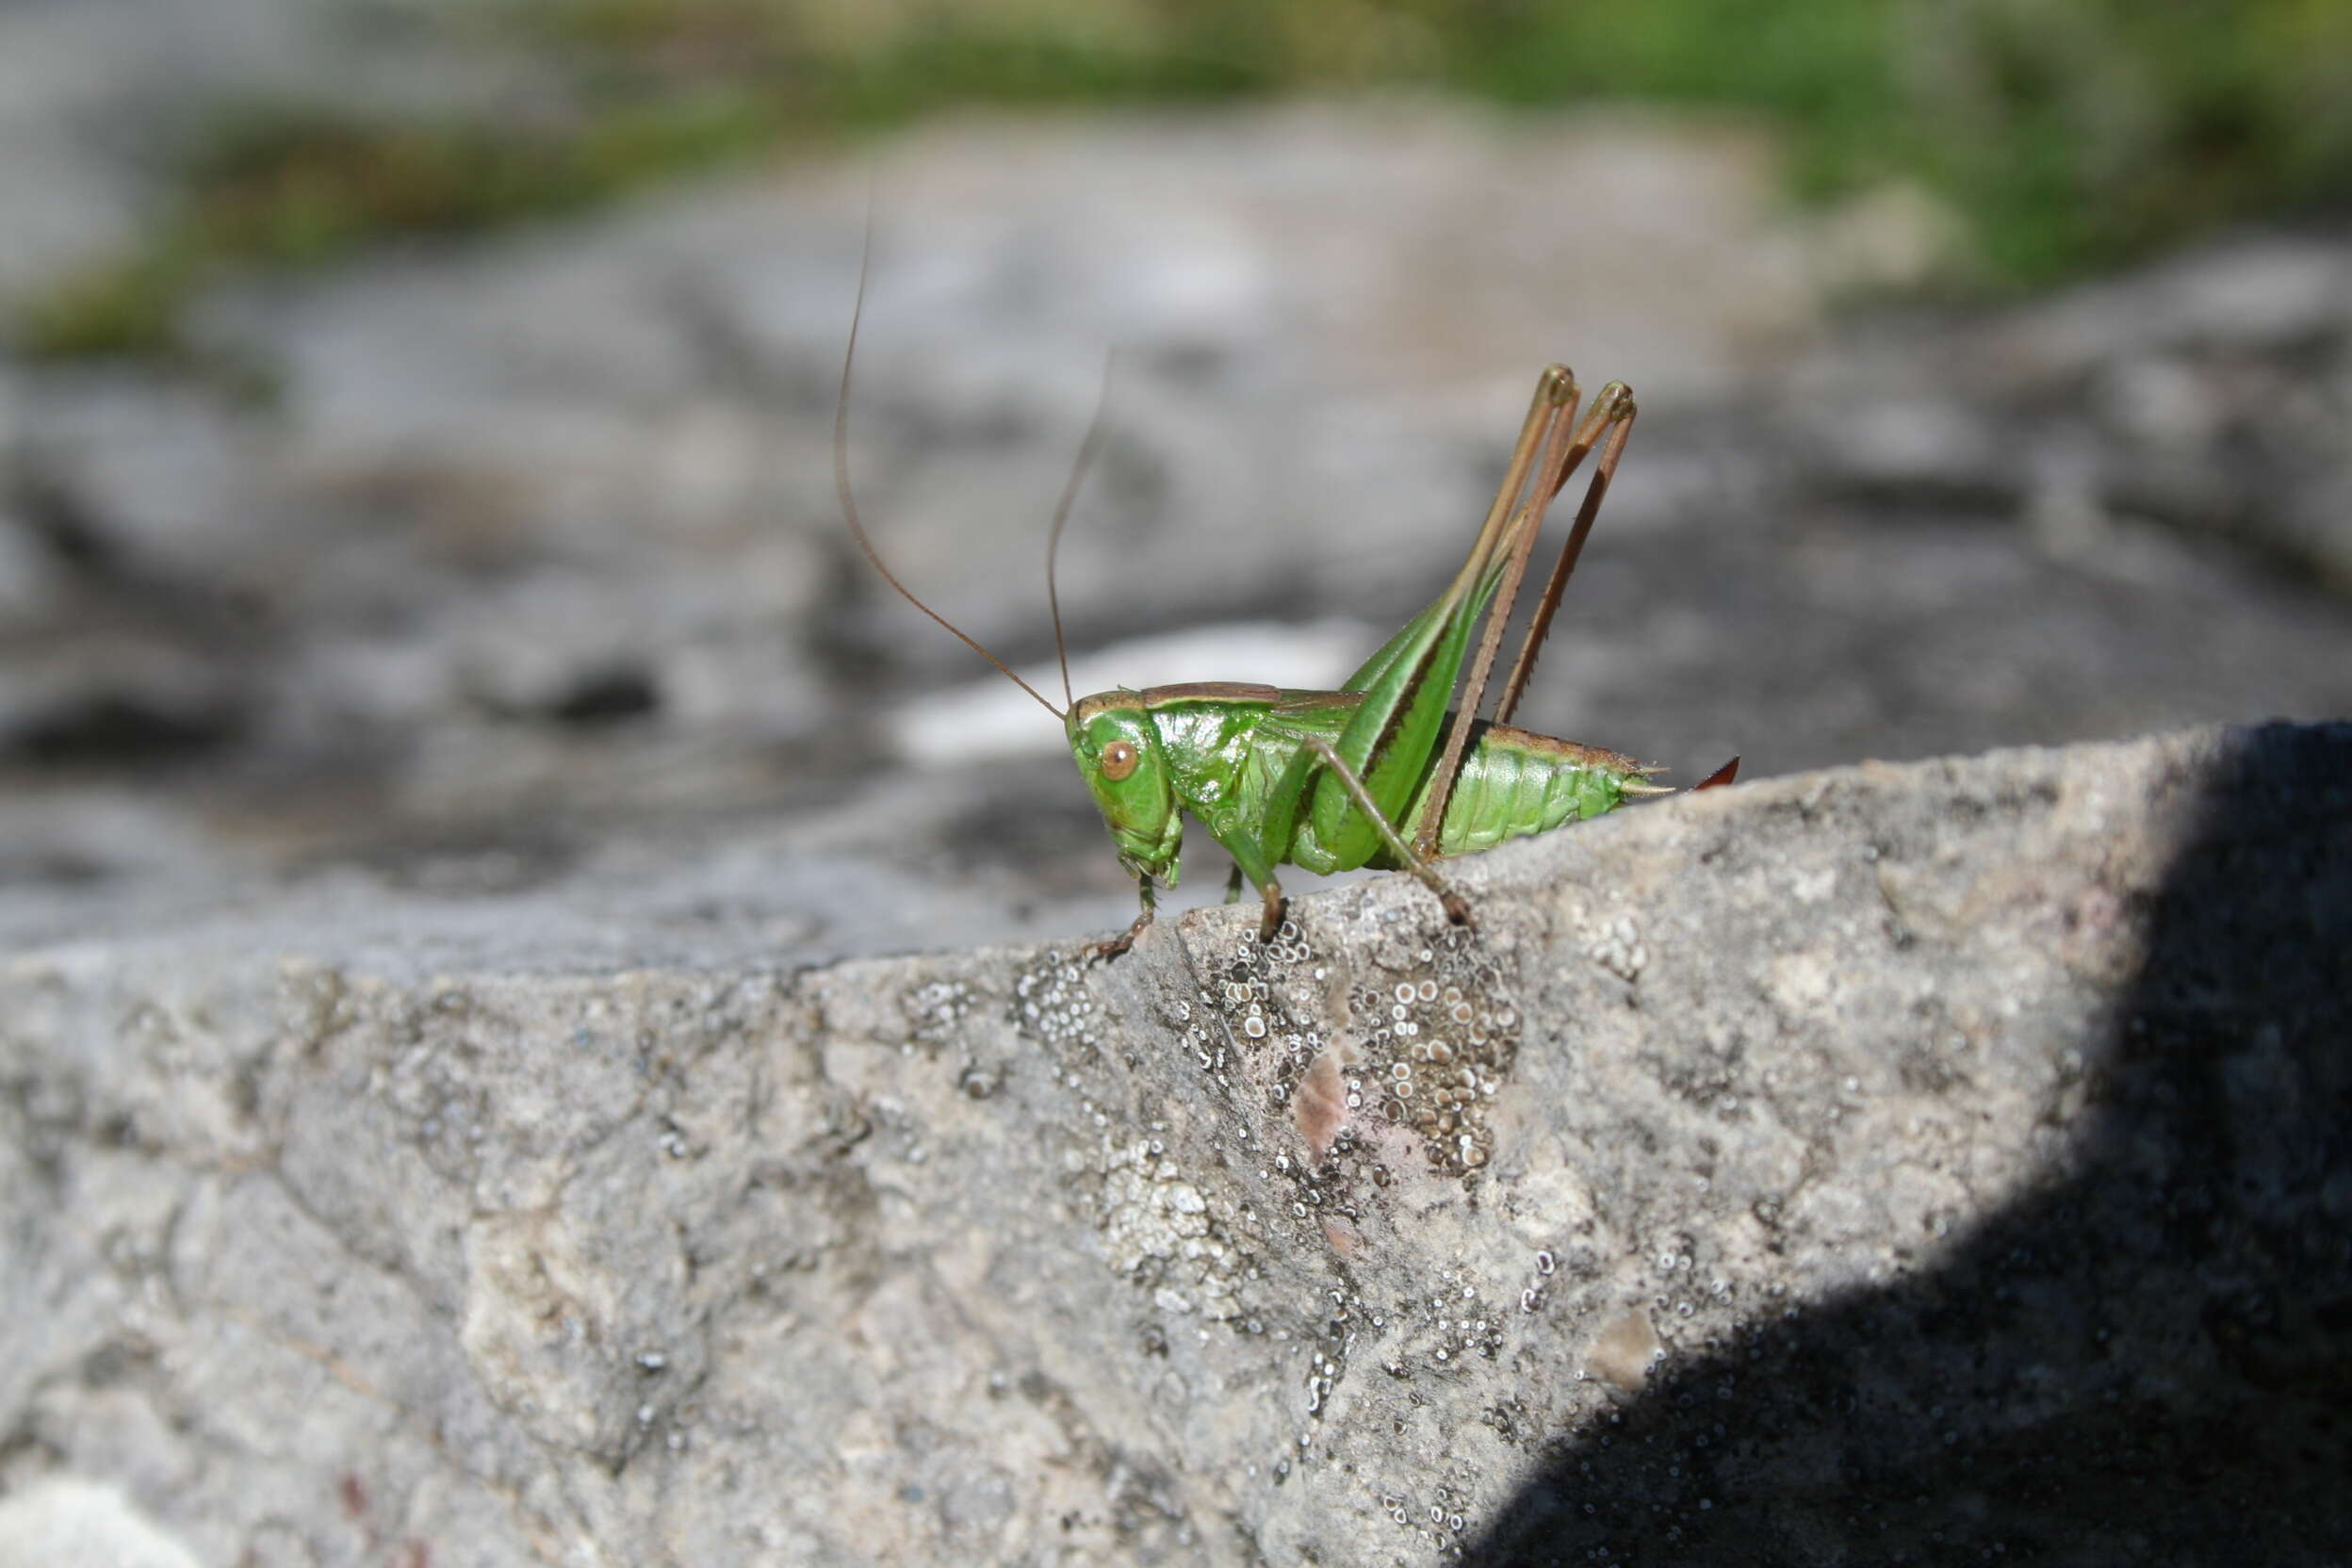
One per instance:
(1514,782)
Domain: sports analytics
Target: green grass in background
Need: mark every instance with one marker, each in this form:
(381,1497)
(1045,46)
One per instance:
(2070,133)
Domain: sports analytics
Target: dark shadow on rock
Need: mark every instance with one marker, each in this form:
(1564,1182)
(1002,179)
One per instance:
(124,729)
(2148,1361)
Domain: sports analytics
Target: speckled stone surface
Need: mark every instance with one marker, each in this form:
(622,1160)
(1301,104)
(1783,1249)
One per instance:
(1933,1160)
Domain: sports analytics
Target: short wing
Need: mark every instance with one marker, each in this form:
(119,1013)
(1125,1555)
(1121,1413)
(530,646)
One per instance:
(1404,694)
(1406,688)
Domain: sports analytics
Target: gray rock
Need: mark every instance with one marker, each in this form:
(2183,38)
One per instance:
(29,579)
(1938,1160)
(2248,294)
(2209,393)
(61,1521)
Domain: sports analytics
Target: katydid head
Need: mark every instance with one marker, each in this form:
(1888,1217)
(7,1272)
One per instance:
(1117,751)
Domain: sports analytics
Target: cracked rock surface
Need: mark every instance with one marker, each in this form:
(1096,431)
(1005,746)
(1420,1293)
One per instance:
(1939,1159)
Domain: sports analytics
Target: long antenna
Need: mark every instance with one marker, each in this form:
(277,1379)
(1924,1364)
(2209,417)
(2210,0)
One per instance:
(1086,450)
(849,503)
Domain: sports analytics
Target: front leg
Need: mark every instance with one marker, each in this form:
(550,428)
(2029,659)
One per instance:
(1111,947)
(1250,862)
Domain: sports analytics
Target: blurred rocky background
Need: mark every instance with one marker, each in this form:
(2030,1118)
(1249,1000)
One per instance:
(415,418)
(448,740)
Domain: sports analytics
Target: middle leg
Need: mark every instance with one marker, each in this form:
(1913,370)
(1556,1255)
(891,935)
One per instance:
(1457,908)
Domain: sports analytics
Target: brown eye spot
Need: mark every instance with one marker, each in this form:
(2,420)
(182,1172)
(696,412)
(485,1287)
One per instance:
(1118,760)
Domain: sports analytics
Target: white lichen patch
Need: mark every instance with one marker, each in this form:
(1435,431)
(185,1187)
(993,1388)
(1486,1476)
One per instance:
(936,1010)
(1616,946)
(1157,1228)
(1053,1005)
(1439,1034)
(1419,1034)
(1440,1328)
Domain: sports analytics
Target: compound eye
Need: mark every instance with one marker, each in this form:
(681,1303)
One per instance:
(1118,760)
